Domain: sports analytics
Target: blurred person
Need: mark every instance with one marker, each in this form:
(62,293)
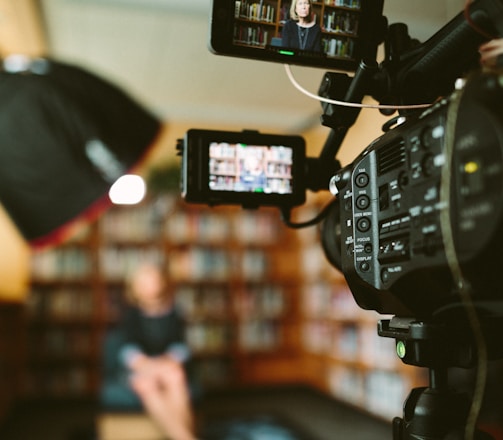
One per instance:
(146,357)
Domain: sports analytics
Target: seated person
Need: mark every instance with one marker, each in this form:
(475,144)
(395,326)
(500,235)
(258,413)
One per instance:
(146,355)
(301,31)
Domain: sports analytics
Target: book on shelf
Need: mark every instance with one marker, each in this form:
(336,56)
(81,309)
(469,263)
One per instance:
(60,303)
(117,262)
(60,343)
(134,224)
(68,263)
(202,301)
(257,334)
(205,337)
(261,301)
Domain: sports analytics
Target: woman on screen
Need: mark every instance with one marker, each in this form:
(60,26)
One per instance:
(301,31)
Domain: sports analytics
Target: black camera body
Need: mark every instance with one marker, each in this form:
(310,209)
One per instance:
(391,204)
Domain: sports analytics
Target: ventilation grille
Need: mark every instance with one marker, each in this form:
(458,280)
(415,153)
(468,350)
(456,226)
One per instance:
(391,156)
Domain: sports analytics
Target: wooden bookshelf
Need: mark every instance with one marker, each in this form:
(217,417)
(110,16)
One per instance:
(229,269)
(62,313)
(263,304)
(258,23)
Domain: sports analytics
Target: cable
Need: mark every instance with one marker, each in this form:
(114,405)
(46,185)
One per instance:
(285,217)
(462,285)
(349,104)
(471,23)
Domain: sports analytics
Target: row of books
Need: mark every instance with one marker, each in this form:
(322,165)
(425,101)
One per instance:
(251,35)
(252,335)
(259,335)
(353,4)
(338,47)
(196,301)
(340,22)
(241,227)
(203,301)
(204,264)
(51,382)
(332,300)
(258,11)
(60,342)
(74,263)
(263,301)
(207,337)
(381,392)
(281,184)
(117,262)
(350,343)
(61,303)
(139,223)
(234,168)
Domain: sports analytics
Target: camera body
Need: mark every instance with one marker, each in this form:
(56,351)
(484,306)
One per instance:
(246,168)
(391,203)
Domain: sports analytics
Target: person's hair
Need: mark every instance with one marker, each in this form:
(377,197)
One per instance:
(293,12)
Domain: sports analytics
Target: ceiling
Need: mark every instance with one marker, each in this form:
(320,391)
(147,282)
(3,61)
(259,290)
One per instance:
(157,50)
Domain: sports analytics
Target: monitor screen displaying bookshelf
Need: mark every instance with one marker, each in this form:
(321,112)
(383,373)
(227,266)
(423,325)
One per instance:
(239,167)
(331,34)
(339,22)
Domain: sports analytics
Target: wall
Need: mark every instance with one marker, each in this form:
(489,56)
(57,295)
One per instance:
(14,261)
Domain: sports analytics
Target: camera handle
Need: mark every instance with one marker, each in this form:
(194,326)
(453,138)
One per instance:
(321,169)
(436,411)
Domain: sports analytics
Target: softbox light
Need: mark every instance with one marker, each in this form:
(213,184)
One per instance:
(66,135)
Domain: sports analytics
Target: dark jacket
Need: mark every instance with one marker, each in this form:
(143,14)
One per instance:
(292,39)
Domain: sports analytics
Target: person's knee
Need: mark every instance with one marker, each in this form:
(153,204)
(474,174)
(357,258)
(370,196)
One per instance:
(142,385)
(173,374)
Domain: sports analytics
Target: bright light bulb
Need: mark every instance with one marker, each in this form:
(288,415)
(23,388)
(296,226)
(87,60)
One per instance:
(128,190)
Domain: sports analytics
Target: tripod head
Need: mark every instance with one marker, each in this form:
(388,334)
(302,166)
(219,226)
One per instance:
(438,411)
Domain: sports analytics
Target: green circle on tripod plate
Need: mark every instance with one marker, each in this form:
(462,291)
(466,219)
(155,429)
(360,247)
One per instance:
(400,349)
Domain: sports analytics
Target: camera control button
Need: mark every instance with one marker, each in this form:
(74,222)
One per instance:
(364,266)
(363,224)
(363,202)
(385,276)
(362,180)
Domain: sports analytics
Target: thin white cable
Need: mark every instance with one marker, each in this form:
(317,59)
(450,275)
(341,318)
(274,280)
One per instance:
(348,104)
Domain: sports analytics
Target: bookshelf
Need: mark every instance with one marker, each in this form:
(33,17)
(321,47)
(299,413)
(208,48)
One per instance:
(62,310)
(259,23)
(262,303)
(230,271)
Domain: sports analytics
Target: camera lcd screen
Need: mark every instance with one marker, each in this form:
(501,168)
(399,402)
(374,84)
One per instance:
(329,33)
(241,167)
(246,168)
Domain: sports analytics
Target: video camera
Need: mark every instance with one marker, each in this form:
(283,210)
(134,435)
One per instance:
(418,215)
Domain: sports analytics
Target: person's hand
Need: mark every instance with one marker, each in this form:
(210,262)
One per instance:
(142,363)
(490,51)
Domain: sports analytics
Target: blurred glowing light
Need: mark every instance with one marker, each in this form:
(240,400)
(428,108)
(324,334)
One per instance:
(128,190)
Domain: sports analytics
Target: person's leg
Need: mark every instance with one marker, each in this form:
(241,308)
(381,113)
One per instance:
(118,395)
(163,392)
